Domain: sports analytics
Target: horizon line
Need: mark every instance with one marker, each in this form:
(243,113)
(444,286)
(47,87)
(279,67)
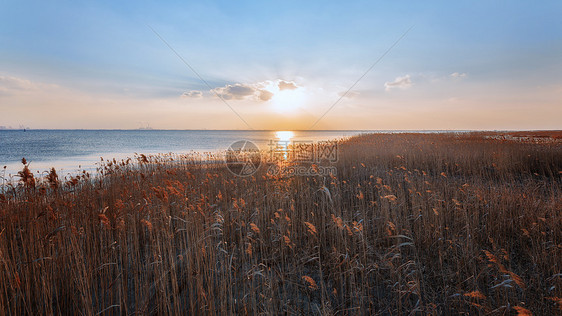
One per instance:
(273,130)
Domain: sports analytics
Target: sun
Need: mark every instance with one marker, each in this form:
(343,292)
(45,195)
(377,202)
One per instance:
(288,101)
(284,136)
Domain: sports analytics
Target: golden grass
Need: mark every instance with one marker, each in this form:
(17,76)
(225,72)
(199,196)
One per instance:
(426,223)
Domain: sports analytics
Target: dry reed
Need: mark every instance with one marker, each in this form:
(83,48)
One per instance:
(412,223)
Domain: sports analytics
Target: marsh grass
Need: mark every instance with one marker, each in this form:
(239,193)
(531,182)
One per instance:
(422,223)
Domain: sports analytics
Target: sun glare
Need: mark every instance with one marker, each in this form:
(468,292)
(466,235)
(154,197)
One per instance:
(284,136)
(288,101)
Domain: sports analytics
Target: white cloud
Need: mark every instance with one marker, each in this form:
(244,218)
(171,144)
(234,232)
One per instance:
(195,94)
(458,75)
(11,85)
(400,82)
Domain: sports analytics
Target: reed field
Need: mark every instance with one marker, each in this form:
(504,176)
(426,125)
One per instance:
(428,224)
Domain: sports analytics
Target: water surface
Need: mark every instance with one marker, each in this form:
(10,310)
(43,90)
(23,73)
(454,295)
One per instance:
(72,150)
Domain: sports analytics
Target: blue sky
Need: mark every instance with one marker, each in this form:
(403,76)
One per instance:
(464,65)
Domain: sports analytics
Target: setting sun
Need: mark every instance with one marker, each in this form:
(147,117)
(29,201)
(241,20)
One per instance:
(288,101)
(284,136)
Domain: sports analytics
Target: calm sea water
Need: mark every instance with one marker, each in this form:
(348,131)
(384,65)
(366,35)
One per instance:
(72,150)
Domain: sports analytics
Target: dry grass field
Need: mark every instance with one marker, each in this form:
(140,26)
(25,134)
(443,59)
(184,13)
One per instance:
(411,223)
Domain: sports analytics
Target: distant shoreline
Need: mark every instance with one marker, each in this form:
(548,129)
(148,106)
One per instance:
(295,130)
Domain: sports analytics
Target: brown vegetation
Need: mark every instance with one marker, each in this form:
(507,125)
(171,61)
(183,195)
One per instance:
(429,223)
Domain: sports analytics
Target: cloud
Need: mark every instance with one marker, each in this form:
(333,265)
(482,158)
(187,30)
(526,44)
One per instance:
(259,91)
(454,100)
(457,75)
(236,91)
(265,95)
(10,85)
(195,94)
(286,85)
(400,82)
(241,91)
(349,94)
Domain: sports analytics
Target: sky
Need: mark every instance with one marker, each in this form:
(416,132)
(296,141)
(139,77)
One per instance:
(377,65)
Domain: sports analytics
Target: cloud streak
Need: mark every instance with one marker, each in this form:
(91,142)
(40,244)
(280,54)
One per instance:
(458,75)
(194,94)
(10,85)
(400,82)
(349,94)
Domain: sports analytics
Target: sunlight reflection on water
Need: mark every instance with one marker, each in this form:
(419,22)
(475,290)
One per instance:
(72,150)
(284,139)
